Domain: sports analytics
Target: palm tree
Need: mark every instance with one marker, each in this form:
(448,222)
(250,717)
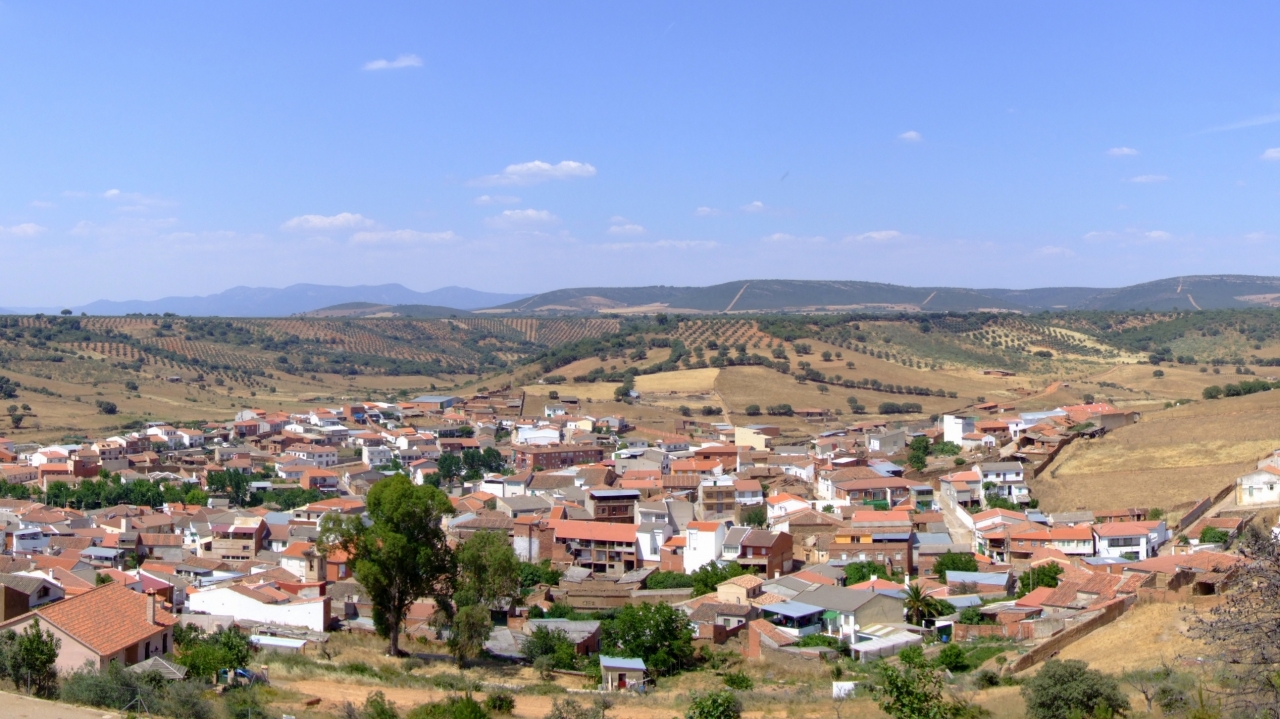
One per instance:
(920,606)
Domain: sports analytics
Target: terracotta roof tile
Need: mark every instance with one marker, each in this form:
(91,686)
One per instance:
(82,617)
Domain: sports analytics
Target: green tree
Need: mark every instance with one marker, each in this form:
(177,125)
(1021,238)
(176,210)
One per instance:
(468,632)
(448,469)
(1045,575)
(205,656)
(668,580)
(711,574)
(31,658)
(753,410)
(401,555)
(954,561)
(657,633)
(535,574)
(755,517)
(551,643)
(488,571)
(197,496)
(1213,535)
(911,690)
(1065,689)
(920,606)
(376,706)
(858,572)
(721,704)
(1211,392)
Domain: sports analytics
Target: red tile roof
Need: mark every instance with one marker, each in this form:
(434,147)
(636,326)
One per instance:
(82,618)
(595,531)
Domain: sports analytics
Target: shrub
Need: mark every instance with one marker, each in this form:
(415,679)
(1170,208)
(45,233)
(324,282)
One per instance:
(1213,535)
(715,705)
(500,703)
(952,658)
(463,707)
(739,681)
(243,703)
(1064,689)
(376,706)
(985,679)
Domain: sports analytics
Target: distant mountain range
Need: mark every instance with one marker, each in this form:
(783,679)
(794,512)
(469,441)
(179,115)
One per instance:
(294,299)
(1181,293)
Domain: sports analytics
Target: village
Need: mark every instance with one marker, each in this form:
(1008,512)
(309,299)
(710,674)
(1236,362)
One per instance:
(862,541)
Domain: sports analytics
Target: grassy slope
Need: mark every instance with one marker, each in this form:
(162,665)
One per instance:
(1171,456)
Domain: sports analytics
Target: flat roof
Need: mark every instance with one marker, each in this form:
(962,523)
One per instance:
(622,663)
(792,609)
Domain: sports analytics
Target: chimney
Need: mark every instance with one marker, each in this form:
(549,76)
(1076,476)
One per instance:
(151,607)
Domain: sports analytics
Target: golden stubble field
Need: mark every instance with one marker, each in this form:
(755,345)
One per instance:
(1170,457)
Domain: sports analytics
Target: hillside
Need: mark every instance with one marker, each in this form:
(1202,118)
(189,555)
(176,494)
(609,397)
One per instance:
(1179,293)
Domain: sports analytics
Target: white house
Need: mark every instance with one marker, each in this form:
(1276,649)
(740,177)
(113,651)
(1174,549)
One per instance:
(376,456)
(190,438)
(537,436)
(954,428)
(1136,539)
(1008,477)
(1261,486)
(649,540)
(703,544)
(262,603)
(780,505)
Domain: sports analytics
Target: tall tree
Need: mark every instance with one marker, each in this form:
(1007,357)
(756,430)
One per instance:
(401,555)
(468,631)
(920,606)
(488,571)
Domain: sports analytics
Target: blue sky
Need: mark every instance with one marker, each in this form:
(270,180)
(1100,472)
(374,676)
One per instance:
(158,148)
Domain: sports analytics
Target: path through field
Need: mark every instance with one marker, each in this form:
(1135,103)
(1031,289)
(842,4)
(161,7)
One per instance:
(20,706)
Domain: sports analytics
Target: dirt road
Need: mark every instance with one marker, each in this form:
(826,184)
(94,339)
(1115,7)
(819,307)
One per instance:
(20,706)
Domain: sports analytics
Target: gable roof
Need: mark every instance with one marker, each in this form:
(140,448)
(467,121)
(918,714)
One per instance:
(82,618)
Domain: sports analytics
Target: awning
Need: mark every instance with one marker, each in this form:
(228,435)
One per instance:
(830,614)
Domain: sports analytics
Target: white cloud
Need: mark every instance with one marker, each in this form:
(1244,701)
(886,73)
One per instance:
(1272,154)
(134,201)
(629,228)
(340,221)
(529,173)
(754,207)
(400,62)
(783,237)
(1148,179)
(26,229)
(401,237)
(706,212)
(521,218)
(1159,235)
(1122,151)
(485,200)
(876,236)
(911,136)
(42,204)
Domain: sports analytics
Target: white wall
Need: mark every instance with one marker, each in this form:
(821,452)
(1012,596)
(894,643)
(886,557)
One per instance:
(312,614)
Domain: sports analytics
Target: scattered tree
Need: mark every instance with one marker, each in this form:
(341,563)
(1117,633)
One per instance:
(401,555)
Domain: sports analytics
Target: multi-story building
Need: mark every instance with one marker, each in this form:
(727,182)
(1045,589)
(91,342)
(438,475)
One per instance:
(717,497)
(605,548)
(558,457)
(317,455)
(238,541)
(613,505)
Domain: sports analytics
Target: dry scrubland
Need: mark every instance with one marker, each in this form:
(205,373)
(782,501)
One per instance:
(1171,456)
(1144,637)
(53,417)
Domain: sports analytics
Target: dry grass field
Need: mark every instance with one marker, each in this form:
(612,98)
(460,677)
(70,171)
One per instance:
(1143,638)
(1171,456)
